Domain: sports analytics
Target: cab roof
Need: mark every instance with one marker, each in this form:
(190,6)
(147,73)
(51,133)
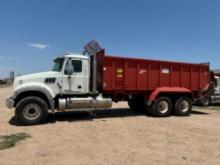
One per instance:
(74,55)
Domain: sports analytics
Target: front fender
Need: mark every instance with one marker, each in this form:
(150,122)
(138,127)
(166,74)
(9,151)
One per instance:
(39,87)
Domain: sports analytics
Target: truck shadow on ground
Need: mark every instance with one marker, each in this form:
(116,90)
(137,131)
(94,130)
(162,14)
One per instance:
(215,104)
(77,116)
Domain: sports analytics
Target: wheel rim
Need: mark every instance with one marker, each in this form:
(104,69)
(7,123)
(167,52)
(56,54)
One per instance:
(205,101)
(163,106)
(31,111)
(184,106)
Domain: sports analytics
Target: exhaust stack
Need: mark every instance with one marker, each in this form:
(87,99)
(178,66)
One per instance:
(92,48)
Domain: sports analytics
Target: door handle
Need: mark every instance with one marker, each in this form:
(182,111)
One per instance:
(79,86)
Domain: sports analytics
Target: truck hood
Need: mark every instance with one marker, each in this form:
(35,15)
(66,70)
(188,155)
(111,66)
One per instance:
(35,78)
(39,75)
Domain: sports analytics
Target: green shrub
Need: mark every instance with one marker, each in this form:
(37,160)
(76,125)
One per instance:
(8,141)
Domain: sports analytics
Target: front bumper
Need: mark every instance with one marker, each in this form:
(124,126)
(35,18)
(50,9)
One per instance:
(9,103)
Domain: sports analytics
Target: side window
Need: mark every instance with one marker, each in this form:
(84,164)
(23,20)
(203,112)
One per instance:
(75,65)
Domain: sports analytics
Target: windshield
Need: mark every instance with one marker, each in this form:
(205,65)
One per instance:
(58,64)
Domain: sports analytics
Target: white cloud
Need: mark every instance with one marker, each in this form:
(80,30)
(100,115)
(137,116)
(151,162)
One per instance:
(39,46)
(7,58)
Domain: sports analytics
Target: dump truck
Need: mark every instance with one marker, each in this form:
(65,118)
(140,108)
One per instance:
(211,96)
(93,80)
(214,96)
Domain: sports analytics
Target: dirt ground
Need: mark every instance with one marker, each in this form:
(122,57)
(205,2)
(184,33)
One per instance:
(115,136)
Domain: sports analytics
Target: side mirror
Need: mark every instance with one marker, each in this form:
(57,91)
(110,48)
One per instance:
(69,72)
(69,68)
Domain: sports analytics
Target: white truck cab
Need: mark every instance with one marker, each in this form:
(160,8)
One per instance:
(68,86)
(60,80)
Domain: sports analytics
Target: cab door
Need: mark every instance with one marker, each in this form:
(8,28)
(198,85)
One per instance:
(74,77)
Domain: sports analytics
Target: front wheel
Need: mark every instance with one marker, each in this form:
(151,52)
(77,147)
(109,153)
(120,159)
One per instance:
(31,110)
(183,106)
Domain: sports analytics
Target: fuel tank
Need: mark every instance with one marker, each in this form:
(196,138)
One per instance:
(84,103)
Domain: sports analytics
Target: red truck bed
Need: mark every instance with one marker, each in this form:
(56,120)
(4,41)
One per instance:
(119,77)
(129,74)
(123,76)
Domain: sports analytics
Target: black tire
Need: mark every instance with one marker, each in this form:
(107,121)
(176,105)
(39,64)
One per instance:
(205,101)
(161,107)
(31,110)
(183,106)
(131,104)
(137,104)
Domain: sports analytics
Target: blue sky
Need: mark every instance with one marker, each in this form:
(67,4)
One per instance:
(32,33)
